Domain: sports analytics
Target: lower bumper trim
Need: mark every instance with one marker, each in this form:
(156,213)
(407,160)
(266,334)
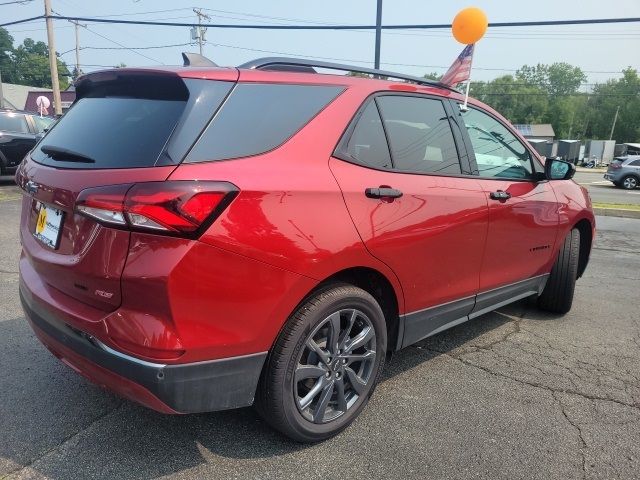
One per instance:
(184,388)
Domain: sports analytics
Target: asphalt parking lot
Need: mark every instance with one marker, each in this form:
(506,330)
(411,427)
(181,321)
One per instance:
(514,394)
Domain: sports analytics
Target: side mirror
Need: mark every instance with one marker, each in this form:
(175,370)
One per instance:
(558,169)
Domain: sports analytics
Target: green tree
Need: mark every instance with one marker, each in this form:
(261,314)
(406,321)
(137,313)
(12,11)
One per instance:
(7,65)
(556,79)
(433,76)
(32,59)
(606,98)
(28,64)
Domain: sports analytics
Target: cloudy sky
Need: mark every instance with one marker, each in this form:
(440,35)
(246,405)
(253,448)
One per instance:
(601,51)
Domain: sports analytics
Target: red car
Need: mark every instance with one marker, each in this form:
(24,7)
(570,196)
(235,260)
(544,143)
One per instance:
(200,238)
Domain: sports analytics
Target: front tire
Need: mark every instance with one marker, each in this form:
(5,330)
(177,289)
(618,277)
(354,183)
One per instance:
(324,365)
(557,296)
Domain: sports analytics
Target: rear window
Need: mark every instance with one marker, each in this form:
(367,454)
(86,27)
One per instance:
(257,118)
(13,122)
(42,123)
(114,132)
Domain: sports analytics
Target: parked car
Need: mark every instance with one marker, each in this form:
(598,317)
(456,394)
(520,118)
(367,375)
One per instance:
(624,172)
(19,132)
(202,238)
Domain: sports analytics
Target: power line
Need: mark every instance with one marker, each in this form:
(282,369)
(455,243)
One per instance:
(593,21)
(16,1)
(124,46)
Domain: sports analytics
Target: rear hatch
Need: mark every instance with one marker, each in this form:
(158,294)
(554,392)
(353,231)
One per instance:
(126,127)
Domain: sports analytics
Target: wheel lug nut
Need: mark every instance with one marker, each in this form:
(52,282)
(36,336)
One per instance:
(344,360)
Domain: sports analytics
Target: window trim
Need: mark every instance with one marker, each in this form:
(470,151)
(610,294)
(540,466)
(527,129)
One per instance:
(536,166)
(340,151)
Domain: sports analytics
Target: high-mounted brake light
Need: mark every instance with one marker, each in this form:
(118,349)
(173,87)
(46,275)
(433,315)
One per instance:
(172,207)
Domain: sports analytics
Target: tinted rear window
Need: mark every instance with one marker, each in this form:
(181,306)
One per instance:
(13,122)
(115,132)
(257,118)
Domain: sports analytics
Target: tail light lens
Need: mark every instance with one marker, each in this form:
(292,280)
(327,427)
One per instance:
(183,208)
(615,166)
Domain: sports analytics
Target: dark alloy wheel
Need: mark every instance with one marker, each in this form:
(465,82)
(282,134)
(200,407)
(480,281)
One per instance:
(335,365)
(325,364)
(629,182)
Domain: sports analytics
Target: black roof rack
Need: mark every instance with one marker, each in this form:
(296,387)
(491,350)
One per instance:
(296,64)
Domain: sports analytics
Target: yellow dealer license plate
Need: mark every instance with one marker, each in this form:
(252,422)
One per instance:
(49,225)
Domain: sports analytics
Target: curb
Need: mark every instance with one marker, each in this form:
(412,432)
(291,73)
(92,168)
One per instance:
(617,212)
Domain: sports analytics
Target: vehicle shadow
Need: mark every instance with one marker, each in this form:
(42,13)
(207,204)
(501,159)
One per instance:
(80,430)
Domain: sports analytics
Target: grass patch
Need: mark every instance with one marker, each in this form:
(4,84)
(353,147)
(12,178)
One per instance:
(618,206)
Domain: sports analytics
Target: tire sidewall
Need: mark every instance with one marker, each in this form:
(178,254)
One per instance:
(363,302)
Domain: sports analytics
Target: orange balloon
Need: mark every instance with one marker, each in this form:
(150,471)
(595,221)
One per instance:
(469,25)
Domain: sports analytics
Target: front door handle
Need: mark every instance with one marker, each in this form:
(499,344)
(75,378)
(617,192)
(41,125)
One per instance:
(382,192)
(500,195)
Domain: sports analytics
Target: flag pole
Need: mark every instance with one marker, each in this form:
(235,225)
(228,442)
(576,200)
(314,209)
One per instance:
(466,93)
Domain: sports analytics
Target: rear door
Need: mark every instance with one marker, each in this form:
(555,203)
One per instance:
(523,210)
(413,207)
(125,127)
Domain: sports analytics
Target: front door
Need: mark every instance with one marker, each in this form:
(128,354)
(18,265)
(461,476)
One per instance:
(413,207)
(523,211)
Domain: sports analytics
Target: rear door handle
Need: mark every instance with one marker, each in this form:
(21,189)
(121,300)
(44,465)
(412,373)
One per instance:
(382,192)
(500,195)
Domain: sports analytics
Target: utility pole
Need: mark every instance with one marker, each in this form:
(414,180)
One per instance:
(615,118)
(53,60)
(201,30)
(376,62)
(77,28)
(1,94)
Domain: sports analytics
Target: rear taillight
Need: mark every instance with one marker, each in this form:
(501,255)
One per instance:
(183,208)
(615,166)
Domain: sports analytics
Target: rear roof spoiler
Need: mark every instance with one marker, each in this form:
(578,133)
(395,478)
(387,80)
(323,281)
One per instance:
(196,60)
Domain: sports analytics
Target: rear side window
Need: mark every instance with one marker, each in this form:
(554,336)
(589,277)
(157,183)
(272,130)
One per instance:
(13,122)
(368,144)
(635,163)
(257,118)
(419,134)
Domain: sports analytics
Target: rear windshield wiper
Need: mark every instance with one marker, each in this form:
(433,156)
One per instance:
(65,155)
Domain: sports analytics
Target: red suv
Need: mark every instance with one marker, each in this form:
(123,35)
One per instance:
(198,238)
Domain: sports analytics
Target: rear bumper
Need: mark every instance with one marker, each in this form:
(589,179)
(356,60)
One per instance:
(184,388)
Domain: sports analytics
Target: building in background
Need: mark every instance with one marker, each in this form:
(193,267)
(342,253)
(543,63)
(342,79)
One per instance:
(541,137)
(67,98)
(15,96)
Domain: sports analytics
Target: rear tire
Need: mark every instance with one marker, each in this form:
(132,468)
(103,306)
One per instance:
(557,296)
(629,182)
(313,385)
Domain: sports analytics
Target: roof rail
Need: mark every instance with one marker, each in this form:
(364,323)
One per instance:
(280,63)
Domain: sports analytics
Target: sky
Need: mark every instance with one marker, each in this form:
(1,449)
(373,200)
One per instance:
(602,51)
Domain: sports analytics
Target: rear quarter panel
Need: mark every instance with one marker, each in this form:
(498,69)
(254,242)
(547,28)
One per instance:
(290,212)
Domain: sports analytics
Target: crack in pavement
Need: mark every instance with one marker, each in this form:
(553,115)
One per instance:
(578,430)
(65,440)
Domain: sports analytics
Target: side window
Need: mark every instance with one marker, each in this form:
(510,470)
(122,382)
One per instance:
(419,134)
(498,152)
(368,144)
(13,122)
(258,117)
(635,163)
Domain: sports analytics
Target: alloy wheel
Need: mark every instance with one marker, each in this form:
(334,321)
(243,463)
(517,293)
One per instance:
(630,183)
(335,366)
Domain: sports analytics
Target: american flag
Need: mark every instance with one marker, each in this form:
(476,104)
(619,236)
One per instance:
(460,70)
